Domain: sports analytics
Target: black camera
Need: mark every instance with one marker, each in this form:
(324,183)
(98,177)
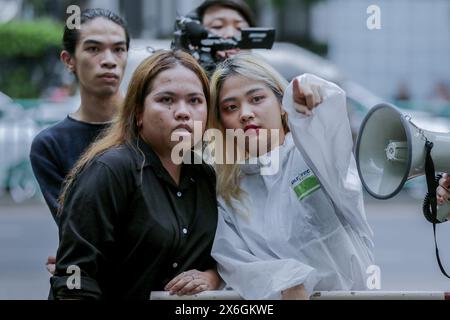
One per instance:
(191,36)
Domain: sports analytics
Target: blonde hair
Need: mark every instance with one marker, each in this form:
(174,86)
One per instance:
(125,129)
(250,67)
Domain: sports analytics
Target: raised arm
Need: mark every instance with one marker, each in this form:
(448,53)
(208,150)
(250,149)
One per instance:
(321,132)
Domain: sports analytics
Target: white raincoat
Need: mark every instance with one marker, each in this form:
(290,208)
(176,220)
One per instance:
(305,224)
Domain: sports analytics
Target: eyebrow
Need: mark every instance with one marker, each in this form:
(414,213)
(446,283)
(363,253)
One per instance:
(91,41)
(225,18)
(171,93)
(248,93)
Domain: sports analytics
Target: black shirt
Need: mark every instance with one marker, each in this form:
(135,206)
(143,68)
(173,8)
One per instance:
(54,152)
(131,231)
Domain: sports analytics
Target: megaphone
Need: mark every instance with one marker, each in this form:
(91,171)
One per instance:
(390,150)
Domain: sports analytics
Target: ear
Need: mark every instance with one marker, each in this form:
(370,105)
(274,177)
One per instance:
(68,60)
(139,119)
(284,119)
(280,105)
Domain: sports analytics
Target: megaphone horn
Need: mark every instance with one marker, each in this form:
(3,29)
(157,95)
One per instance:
(390,150)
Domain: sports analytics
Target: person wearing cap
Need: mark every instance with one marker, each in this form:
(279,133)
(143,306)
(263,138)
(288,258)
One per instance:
(225,18)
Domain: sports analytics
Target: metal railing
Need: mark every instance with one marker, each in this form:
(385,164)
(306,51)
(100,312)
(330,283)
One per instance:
(318,295)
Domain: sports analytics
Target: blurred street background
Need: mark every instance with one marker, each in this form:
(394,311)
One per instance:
(404,61)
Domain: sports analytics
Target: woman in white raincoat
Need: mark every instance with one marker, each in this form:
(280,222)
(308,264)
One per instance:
(293,222)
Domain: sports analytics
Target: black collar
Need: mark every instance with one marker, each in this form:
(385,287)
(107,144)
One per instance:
(187,175)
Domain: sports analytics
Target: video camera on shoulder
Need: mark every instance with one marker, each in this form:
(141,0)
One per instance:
(191,36)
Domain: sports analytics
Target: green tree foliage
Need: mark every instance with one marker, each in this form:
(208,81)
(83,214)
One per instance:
(29,38)
(28,51)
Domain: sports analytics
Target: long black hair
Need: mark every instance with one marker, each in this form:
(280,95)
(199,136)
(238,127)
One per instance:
(70,37)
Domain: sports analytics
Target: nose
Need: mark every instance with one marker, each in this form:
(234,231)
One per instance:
(229,32)
(108,60)
(182,112)
(247,113)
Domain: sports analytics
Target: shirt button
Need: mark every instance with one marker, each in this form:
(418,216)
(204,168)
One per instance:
(175,265)
(179,194)
(184,230)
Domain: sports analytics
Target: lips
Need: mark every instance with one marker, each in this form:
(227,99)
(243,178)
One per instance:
(251,126)
(182,127)
(109,76)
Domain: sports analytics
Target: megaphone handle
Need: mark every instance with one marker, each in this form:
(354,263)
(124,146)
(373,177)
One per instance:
(431,183)
(437,253)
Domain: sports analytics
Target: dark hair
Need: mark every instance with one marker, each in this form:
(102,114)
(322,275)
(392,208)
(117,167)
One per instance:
(70,37)
(237,5)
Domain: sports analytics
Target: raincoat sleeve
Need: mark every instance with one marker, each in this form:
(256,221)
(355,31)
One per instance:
(250,276)
(325,141)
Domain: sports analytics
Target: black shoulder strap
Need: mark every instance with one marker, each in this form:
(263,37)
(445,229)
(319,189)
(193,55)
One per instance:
(432,185)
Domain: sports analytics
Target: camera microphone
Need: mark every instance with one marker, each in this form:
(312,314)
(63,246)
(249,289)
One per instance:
(195,31)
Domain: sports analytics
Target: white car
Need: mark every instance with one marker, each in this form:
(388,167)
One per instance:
(18,127)
(17,130)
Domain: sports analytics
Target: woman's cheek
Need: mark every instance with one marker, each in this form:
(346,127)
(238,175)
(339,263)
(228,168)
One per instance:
(227,121)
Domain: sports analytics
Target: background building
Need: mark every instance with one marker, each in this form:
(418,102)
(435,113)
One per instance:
(410,53)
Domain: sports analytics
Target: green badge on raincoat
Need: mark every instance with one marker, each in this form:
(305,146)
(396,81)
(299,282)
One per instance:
(305,183)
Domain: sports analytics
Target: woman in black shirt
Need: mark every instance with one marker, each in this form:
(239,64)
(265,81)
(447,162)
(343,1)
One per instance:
(133,220)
